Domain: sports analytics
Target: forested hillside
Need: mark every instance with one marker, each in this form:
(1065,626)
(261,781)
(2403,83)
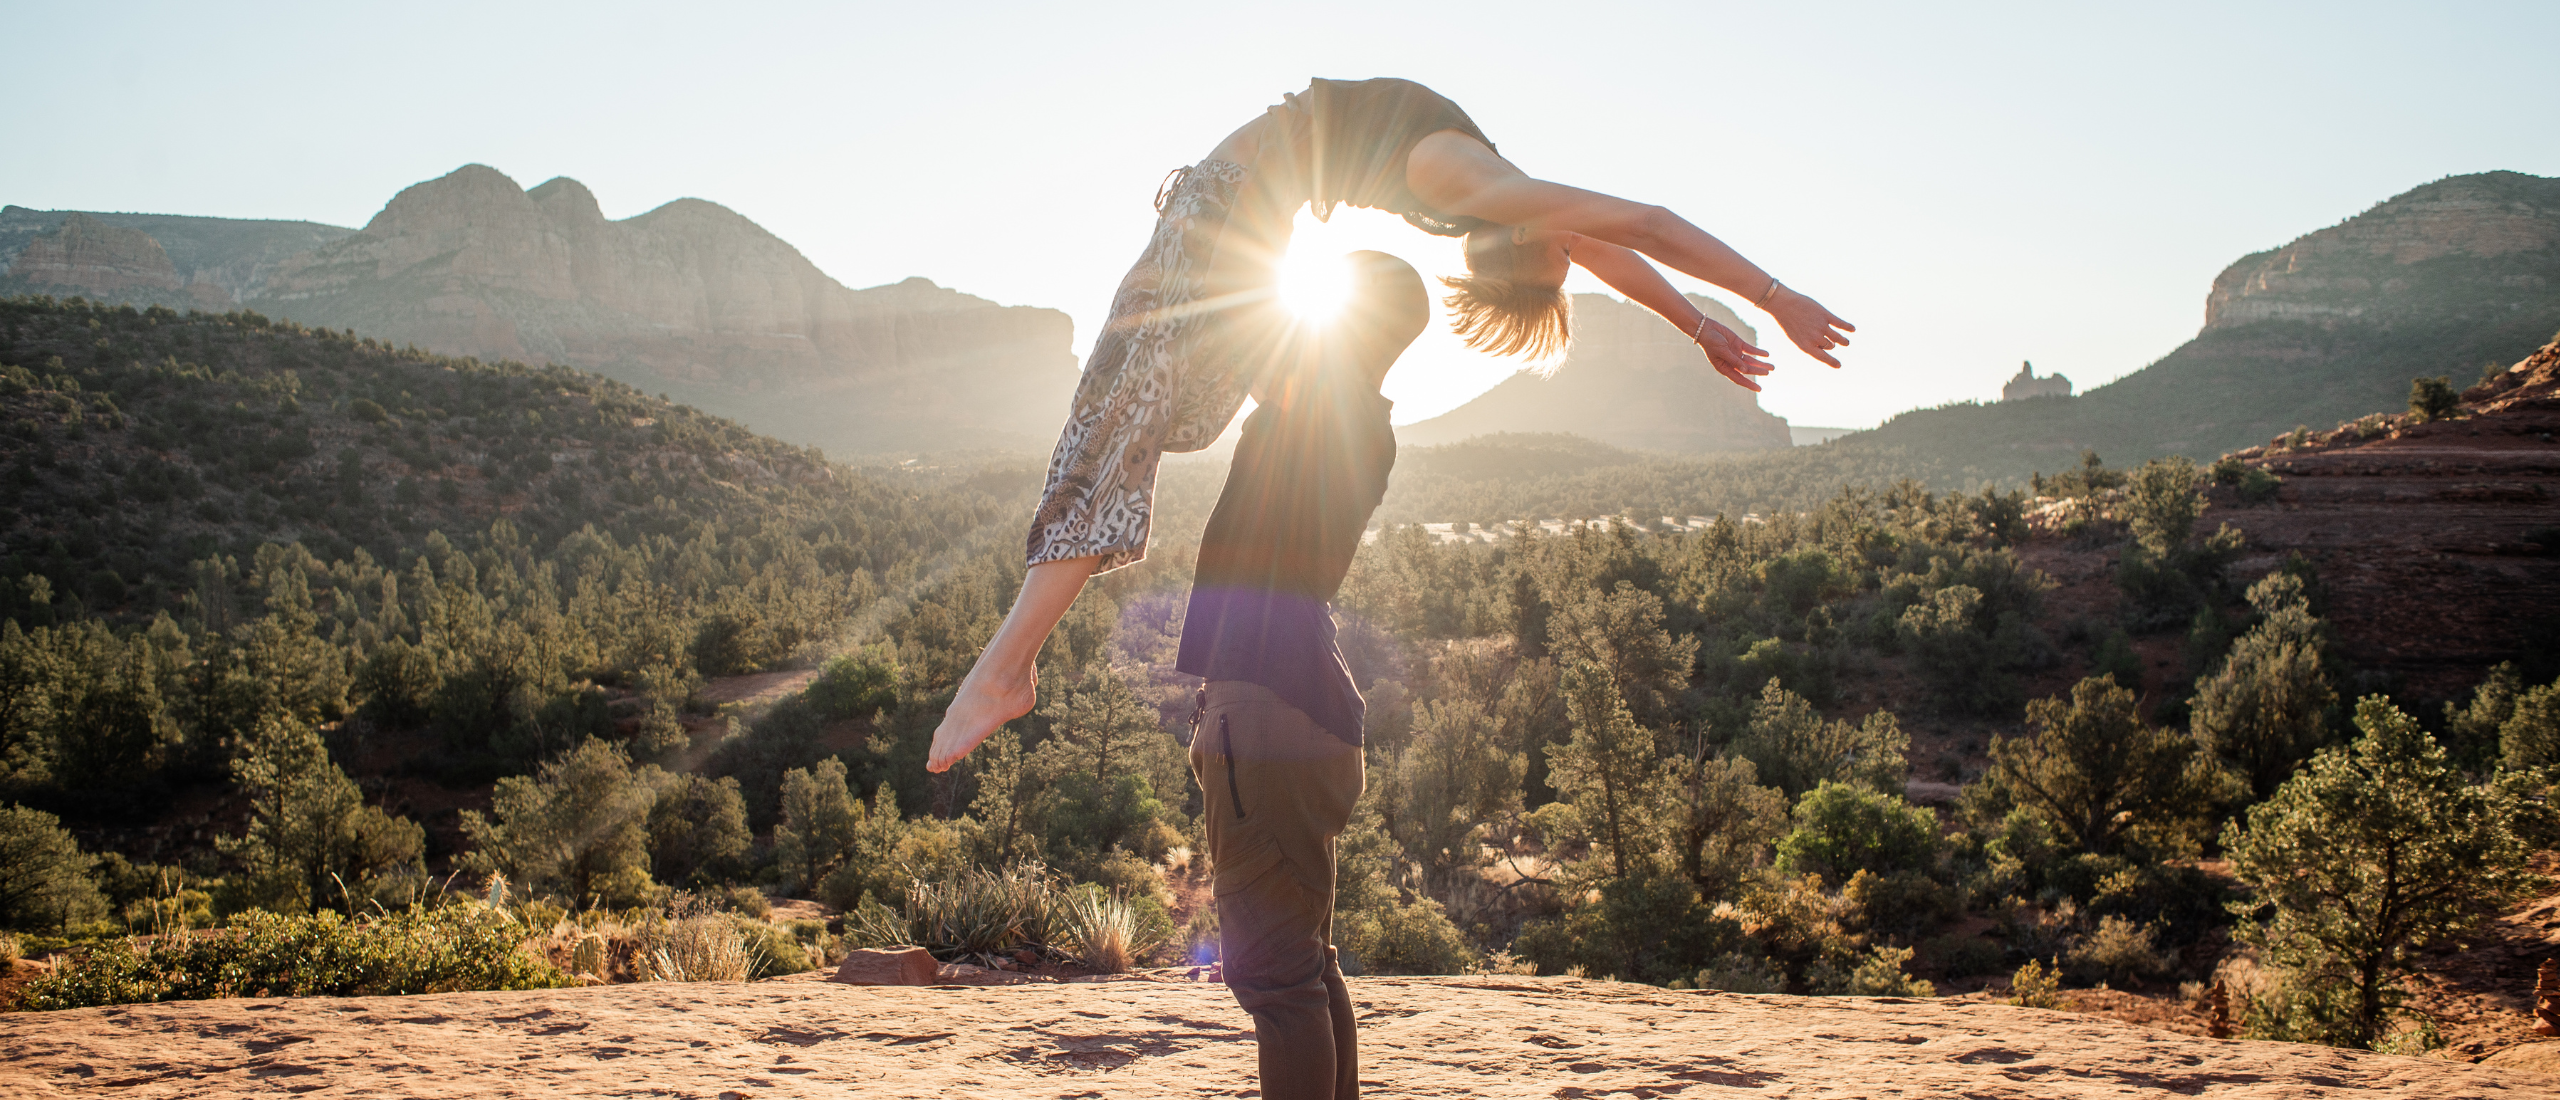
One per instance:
(308,635)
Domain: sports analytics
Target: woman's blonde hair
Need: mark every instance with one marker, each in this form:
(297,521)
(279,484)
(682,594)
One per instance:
(1497,314)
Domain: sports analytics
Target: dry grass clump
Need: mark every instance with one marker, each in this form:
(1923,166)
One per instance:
(701,948)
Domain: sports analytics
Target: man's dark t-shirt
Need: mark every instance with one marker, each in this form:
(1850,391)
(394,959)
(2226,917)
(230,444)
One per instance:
(1309,469)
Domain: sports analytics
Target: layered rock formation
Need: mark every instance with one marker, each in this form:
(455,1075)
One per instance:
(2438,543)
(693,300)
(90,254)
(1630,381)
(2438,281)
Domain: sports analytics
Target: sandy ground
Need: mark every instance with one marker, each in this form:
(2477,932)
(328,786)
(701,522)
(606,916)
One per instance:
(1543,1037)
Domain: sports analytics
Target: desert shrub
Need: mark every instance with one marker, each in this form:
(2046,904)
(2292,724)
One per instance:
(1879,973)
(1404,937)
(699,948)
(2096,773)
(2257,486)
(1793,749)
(1844,828)
(2036,986)
(1650,929)
(2471,729)
(2117,950)
(2117,660)
(2371,852)
(577,827)
(1963,664)
(1796,923)
(44,876)
(857,685)
(697,829)
(2267,708)
(1739,972)
(2432,399)
(2161,504)
(1903,903)
(2182,903)
(447,949)
(1959,956)
(1109,932)
(2530,737)
(776,950)
(746,901)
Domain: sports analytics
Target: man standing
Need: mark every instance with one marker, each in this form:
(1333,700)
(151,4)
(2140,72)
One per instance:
(1276,736)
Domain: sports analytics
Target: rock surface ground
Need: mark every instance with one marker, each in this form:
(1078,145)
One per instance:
(1480,1036)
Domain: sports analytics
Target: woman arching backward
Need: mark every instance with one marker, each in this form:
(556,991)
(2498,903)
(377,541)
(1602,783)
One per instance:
(1195,323)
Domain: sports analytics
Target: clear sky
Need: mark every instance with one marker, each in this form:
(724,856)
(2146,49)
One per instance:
(1972,184)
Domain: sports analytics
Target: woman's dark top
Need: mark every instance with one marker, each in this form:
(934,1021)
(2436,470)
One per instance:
(1308,471)
(1356,135)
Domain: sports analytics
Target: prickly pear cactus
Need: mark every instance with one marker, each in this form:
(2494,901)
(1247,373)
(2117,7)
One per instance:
(588,958)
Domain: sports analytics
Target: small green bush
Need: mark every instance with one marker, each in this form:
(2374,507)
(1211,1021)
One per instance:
(1844,828)
(1878,974)
(2118,950)
(2432,399)
(1413,937)
(454,948)
(2257,486)
(1736,972)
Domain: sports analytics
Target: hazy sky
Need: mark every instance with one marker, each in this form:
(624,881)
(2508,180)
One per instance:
(1972,184)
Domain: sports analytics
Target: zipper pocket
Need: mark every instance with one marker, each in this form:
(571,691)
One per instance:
(1227,744)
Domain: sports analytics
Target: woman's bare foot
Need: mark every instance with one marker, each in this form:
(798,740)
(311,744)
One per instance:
(981,705)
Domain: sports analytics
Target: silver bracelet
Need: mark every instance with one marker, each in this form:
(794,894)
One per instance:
(1700,330)
(1763,301)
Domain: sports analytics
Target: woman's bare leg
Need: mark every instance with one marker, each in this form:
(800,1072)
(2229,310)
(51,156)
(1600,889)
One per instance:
(1000,687)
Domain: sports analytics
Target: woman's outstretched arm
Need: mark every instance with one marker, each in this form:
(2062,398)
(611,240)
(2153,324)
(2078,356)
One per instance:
(1629,274)
(1001,686)
(1458,174)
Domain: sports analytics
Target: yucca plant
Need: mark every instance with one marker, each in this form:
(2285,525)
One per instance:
(1107,932)
(980,912)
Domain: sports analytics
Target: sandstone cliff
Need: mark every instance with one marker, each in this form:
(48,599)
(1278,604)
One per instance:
(214,261)
(86,252)
(1630,381)
(693,300)
(2438,281)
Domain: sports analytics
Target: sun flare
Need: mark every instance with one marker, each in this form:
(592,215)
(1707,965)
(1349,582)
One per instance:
(1314,283)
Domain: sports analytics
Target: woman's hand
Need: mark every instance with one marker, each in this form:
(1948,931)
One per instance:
(1732,357)
(1808,324)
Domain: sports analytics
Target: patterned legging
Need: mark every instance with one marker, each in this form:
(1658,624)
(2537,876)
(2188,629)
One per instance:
(1160,379)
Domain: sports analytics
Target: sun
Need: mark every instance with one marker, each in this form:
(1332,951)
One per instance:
(1314,283)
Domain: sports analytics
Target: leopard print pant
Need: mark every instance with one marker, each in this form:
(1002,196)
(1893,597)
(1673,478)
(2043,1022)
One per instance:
(1150,385)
